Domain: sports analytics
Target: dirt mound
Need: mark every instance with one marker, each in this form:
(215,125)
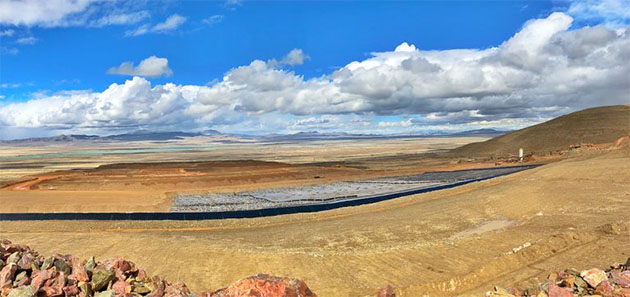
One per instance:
(613,282)
(590,126)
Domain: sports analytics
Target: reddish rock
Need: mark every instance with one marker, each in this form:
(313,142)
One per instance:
(621,278)
(26,261)
(121,287)
(177,290)
(157,286)
(22,282)
(72,290)
(122,268)
(39,277)
(141,274)
(78,271)
(386,291)
(556,291)
(604,289)
(12,248)
(6,276)
(593,276)
(622,292)
(54,286)
(263,285)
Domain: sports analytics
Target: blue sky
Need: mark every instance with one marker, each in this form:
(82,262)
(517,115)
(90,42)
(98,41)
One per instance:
(67,53)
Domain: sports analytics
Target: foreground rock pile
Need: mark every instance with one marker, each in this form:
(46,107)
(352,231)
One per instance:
(613,282)
(24,273)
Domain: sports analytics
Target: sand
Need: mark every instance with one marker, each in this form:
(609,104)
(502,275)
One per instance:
(453,242)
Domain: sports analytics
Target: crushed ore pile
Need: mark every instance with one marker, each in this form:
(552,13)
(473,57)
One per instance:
(24,273)
(613,282)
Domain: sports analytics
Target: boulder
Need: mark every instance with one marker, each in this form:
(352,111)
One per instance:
(14,258)
(90,265)
(593,276)
(39,277)
(621,278)
(101,277)
(26,261)
(265,285)
(78,271)
(47,263)
(54,286)
(7,274)
(21,279)
(85,289)
(604,289)
(62,265)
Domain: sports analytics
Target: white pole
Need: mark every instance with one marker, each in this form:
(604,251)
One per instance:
(520,154)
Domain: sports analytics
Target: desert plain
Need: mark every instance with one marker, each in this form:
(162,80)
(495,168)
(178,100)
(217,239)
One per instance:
(512,230)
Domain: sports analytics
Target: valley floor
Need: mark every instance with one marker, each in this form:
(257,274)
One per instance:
(461,241)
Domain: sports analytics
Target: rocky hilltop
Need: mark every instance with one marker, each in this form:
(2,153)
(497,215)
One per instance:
(591,126)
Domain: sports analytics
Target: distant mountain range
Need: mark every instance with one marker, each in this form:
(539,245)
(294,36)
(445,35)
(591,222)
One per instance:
(301,136)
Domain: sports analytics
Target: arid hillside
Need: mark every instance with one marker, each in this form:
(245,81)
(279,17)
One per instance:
(590,126)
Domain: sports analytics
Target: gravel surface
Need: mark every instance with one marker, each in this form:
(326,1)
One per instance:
(326,193)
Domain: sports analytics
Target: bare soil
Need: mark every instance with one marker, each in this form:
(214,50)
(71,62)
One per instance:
(455,242)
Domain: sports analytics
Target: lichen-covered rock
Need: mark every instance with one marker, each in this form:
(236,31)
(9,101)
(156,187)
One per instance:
(265,285)
(22,291)
(14,258)
(101,277)
(107,293)
(85,289)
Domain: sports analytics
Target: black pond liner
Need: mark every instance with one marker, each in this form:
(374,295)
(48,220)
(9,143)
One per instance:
(239,214)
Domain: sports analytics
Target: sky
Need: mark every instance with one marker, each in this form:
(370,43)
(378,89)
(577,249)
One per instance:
(259,67)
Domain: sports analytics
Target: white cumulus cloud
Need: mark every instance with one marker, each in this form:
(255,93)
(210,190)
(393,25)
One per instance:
(544,70)
(47,13)
(149,67)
